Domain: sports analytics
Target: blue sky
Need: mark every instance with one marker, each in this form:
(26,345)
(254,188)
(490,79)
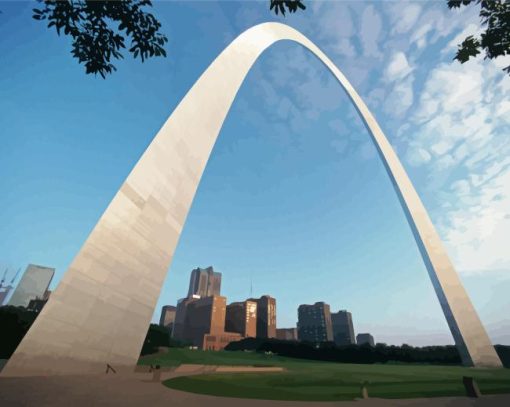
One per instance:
(294,197)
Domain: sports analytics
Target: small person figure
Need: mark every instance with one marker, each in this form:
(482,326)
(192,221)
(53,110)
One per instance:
(364,390)
(156,374)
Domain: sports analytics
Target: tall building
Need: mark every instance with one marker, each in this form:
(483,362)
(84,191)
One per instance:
(220,340)
(33,285)
(362,339)
(37,304)
(241,317)
(287,334)
(201,317)
(343,330)
(204,282)
(266,316)
(178,331)
(314,323)
(167,317)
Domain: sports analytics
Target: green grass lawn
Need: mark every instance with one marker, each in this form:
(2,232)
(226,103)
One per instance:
(179,356)
(321,381)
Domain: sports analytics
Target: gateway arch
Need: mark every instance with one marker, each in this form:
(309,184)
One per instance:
(102,307)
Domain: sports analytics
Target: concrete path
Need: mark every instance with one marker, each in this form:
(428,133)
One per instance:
(137,389)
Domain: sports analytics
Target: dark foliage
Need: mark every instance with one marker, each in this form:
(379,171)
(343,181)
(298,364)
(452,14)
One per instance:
(495,40)
(504,354)
(14,324)
(441,355)
(98,30)
(16,321)
(281,6)
(156,336)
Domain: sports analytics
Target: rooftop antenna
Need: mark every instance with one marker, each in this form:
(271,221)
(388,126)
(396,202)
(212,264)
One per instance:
(15,275)
(251,285)
(3,278)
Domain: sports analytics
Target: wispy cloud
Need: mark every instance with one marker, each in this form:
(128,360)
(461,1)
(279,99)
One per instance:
(398,67)
(404,17)
(449,122)
(370,33)
(464,147)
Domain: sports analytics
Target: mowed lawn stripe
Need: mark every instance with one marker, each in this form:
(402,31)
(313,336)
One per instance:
(322,381)
(253,385)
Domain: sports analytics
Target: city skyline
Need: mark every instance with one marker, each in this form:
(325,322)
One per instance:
(288,259)
(218,277)
(206,319)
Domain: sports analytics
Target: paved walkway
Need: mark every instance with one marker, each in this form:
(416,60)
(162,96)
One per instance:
(137,389)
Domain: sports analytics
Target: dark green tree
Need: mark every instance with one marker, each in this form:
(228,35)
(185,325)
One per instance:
(495,40)
(156,336)
(281,6)
(99,30)
(14,324)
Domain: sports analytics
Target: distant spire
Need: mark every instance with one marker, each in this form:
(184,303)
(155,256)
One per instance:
(15,275)
(251,285)
(3,278)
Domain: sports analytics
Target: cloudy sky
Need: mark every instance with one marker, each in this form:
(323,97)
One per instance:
(294,201)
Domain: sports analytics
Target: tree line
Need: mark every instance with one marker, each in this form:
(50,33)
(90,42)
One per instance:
(16,321)
(381,353)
